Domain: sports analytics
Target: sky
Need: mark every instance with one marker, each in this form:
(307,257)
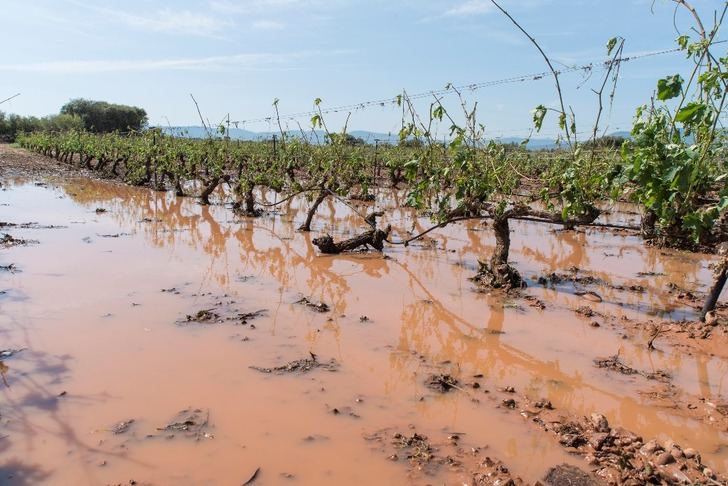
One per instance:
(237,56)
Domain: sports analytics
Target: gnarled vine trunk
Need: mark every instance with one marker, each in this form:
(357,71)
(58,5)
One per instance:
(248,202)
(647,225)
(721,275)
(178,190)
(306,226)
(497,273)
(210,187)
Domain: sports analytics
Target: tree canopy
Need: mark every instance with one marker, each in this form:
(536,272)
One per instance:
(103,117)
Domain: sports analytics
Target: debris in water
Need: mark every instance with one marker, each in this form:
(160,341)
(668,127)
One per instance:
(585,311)
(243,318)
(204,316)
(192,423)
(345,411)
(7,241)
(441,383)
(614,363)
(122,427)
(318,307)
(9,353)
(300,366)
(4,224)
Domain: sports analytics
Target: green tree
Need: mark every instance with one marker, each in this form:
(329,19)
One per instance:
(103,117)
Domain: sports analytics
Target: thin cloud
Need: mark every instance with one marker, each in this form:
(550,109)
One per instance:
(167,20)
(268,25)
(237,61)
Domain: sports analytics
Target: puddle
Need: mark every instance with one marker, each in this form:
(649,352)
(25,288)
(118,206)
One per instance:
(99,324)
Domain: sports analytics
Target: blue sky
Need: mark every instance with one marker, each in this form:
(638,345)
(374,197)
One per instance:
(236,56)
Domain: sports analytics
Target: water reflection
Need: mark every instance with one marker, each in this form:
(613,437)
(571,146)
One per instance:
(438,316)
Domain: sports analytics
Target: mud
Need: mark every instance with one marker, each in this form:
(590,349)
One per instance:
(300,366)
(103,346)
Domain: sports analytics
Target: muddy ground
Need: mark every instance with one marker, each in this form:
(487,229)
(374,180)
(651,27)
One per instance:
(145,339)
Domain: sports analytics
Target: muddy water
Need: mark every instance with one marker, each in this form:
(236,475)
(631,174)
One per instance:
(104,344)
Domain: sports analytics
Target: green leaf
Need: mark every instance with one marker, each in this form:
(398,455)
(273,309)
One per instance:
(538,115)
(682,41)
(610,45)
(669,87)
(438,112)
(723,204)
(690,112)
(670,176)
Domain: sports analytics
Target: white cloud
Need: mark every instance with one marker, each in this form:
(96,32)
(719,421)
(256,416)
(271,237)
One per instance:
(220,63)
(167,20)
(268,25)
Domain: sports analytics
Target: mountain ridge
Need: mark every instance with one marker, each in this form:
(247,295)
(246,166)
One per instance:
(368,136)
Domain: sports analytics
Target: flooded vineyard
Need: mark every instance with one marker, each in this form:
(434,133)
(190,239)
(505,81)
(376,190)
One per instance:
(148,339)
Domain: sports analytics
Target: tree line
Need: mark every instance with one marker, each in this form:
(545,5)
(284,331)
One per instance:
(78,114)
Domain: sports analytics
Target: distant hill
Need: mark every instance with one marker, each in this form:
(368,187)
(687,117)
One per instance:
(367,136)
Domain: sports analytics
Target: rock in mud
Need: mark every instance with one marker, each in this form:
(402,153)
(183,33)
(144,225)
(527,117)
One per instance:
(690,453)
(651,447)
(664,459)
(568,475)
(598,440)
(599,422)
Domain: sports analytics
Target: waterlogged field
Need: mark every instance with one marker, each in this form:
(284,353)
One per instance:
(148,339)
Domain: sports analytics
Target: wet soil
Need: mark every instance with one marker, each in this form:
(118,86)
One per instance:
(115,384)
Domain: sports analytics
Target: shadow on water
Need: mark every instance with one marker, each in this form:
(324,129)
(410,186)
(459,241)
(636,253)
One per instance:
(17,473)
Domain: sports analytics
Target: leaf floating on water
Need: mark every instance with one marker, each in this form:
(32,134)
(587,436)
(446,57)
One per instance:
(252,478)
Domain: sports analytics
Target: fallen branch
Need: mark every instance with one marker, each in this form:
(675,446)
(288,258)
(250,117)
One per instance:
(373,237)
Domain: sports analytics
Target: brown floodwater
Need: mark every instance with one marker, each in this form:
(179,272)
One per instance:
(104,344)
